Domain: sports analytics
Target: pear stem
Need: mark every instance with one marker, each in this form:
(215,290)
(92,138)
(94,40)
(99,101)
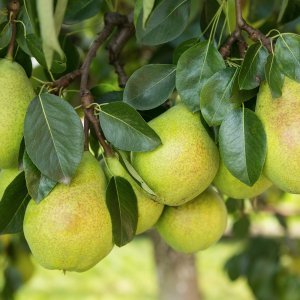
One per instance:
(236,36)
(13,10)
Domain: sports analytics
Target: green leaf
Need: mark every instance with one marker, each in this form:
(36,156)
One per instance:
(59,14)
(194,68)
(179,50)
(147,9)
(150,86)
(287,55)
(5,34)
(252,70)
(13,205)
(274,76)
(215,101)
(125,128)
(48,30)
(242,142)
(122,205)
(53,137)
(38,185)
(166,22)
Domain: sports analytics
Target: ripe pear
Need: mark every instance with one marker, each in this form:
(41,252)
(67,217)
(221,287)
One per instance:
(16,92)
(149,210)
(186,162)
(6,177)
(280,118)
(233,187)
(195,225)
(71,228)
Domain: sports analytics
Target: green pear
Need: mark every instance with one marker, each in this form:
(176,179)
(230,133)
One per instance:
(16,92)
(6,177)
(149,210)
(71,228)
(280,118)
(233,187)
(195,225)
(186,162)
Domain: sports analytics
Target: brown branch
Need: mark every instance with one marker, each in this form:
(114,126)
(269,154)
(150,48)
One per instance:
(65,80)
(13,10)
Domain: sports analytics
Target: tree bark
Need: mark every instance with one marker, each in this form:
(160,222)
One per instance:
(176,272)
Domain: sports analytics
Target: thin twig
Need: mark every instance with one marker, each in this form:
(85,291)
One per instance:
(13,10)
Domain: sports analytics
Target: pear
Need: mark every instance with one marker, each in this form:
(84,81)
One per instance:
(71,228)
(280,118)
(195,225)
(186,162)
(149,210)
(233,187)
(16,92)
(6,177)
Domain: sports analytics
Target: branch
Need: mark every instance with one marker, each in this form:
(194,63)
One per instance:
(65,80)
(13,7)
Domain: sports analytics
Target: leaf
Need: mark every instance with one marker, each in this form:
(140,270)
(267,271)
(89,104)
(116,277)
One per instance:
(287,55)
(5,34)
(179,50)
(194,68)
(252,70)
(38,185)
(147,9)
(166,22)
(122,205)
(150,86)
(48,30)
(274,76)
(53,137)
(59,14)
(126,129)
(242,142)
(13,205)
(215,97)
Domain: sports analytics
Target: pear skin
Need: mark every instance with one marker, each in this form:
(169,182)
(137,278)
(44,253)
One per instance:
(196,225)
(186,162)
(6,177)
(233,187)
(16,92)
(281,121)
(71,228)
(149,210)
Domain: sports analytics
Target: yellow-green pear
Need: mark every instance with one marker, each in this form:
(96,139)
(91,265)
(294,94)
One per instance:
(186,162)
(16,92)
(71,228)
(233,187)
(281,121)
(195,225)
(149,210)
(6,177)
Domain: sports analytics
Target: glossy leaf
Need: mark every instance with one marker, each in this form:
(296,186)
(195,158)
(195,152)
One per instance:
(38,185)
(53,137)
(242,142)
(274,76)
(166,22)
(13,205)
(147,9)
(252,70)
(5,34)
(150,86)
(122,205)
(124,127)
(287,55)
(215,101)
(179,50)
(194,68)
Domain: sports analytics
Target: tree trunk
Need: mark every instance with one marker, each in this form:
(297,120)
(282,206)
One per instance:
(176,272)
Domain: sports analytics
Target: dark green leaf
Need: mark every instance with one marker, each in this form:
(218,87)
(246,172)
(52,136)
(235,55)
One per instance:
(183,47)
(167,21)
(287,55)
(38,185)
(109,97)
(215,96)
(241,227)
(53,137)
(79,10)
(194,67)
(5,34)
(13,205)
(125,128)
(122,205)
(274,76)
(242,142)
(150,86)
(252,70)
